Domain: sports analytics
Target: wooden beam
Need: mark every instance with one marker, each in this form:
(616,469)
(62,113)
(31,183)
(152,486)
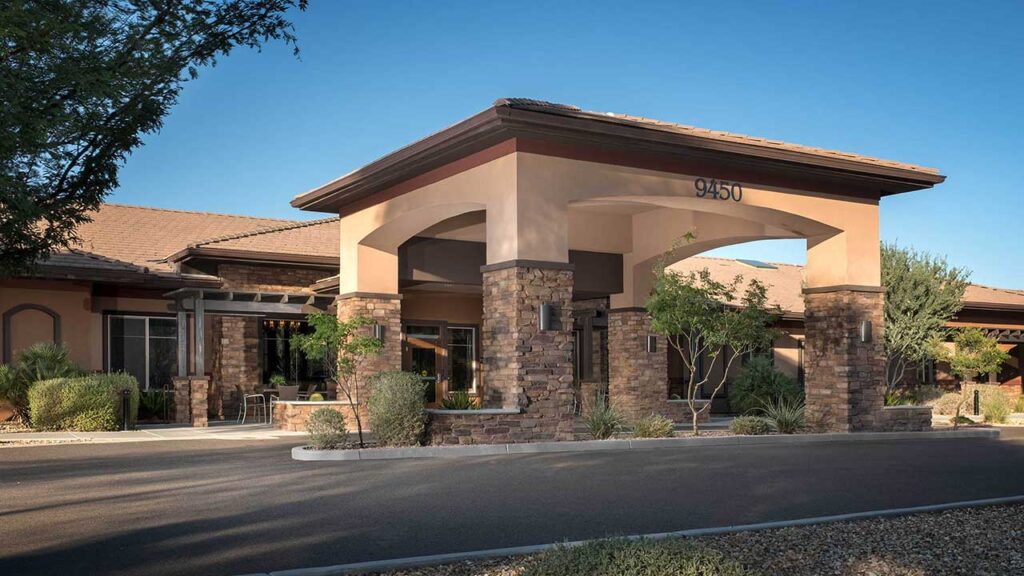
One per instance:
(200,337)
(182,343)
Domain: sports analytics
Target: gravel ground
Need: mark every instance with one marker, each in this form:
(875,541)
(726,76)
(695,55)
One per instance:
(974,542)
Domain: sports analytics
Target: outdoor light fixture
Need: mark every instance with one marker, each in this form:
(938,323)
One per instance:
(547,315)
(865,331)
(378,332)
(652,344)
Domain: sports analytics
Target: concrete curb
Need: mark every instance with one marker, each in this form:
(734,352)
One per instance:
(420,561)
(301,453)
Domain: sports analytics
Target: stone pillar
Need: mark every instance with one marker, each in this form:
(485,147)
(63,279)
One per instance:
(845,377)
(182,400)
(524,367)
(236,362)
(200,407)
(637,379)
(385,310)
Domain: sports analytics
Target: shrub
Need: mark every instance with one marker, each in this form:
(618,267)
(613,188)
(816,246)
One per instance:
(459,400)
(946,404)
(278,380)
(996,407)
(785,416)
(674,557)
(152,403)
(86,404)
(395,407)
(327,430)
(750,426)
(898,398)
(42,361)
(653,426)
(316,397)
(602,421)
(759,382)
(1019,405)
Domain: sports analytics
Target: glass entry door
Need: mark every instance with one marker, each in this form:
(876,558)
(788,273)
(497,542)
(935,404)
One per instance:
(444,356)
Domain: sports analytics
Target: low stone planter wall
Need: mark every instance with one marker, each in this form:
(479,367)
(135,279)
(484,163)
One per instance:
(679,412)
(494,426)
(906,418)
(291,416)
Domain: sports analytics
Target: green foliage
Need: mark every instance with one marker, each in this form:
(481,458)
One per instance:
(702,317)
(278,380)
(669,557)
(397,413)
(759,382)
(602,421)
(653,426)
(785,416)
(962,420)
(85,404)
(152,403)
(42,361)
(1018,406)
(996,407)
(922,293)
(326,430)
(459,400)
(340,346)
(898,398)
(750,426)
(83,82)
(316,397)
(973,353)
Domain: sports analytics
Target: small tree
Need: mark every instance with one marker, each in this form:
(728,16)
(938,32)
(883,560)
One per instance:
(340,345)
(703,317)
(973,353)
(922,293)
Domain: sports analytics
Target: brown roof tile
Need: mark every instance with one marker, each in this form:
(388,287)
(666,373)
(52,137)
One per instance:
(310,238)
(146,236)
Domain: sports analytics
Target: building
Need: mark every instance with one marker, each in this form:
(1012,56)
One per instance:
(458,245)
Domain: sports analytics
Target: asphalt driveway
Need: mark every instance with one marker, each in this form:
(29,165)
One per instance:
(228,508)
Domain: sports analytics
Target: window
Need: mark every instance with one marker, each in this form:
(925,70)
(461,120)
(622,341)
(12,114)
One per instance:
(462,359)
(280,357)
(145,347)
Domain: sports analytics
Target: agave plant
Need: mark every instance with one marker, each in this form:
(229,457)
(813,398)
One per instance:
(785,416)
(459,400)
(602,420)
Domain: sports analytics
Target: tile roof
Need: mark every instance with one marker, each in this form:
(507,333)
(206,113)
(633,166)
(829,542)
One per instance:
(785,282)
(146,236)
(310,238)
(565,109)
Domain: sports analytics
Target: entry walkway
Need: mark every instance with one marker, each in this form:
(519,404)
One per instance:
(151,433)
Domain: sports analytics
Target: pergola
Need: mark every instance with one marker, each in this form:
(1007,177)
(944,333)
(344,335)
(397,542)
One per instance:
(200,301)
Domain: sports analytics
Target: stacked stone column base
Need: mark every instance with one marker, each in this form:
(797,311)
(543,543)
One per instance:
(386,311)
(845,376)
(190,400)
(637,379)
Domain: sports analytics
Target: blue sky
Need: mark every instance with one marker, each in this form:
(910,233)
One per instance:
(932,83)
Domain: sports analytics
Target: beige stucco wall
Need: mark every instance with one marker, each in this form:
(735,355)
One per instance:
(80,327)
(538,207)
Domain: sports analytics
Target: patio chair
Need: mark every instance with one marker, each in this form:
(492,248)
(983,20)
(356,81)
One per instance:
(284,394)
(309,391)
(259,407)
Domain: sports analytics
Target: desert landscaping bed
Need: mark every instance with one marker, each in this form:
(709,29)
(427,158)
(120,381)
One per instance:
(968,541)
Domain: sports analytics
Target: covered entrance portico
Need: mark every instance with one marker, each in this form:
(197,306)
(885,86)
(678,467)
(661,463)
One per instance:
(536,210)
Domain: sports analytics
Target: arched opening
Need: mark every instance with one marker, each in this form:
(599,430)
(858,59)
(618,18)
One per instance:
(28,324)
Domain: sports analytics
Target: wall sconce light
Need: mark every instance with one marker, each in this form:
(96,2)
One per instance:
(378,332)
(865,331)
(547,315)
(651,344)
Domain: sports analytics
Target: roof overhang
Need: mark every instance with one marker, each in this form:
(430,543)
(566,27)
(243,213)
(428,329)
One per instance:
(140,279)
(563,130)
(253,256)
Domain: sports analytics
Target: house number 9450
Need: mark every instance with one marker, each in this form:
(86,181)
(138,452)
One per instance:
(718,189)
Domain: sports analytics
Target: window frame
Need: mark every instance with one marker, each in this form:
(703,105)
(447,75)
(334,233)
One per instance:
(146,316)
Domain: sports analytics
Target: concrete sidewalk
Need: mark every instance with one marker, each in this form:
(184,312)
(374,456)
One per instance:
(153,433)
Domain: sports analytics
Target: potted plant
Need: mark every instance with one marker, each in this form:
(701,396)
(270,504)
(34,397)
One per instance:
(284,390)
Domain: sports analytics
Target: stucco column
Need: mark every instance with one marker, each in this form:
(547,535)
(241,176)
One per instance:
(844,364)
(637,379)
(384,310)
(525,367)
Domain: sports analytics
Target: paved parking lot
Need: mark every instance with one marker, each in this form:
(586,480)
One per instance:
(231,507)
